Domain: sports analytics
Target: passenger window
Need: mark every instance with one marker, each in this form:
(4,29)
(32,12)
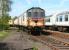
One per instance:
(61,18)
(66,17)
(48,20)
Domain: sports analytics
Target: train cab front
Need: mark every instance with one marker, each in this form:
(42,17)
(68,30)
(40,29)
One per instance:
(37,26)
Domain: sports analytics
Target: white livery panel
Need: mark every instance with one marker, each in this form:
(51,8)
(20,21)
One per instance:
(24,19)
(59,19)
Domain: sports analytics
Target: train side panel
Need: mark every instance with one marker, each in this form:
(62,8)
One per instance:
(25,19)
(62,22)
(16,21)
(10,22)
(59,21)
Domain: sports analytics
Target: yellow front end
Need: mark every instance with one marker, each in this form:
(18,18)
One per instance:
(36,22)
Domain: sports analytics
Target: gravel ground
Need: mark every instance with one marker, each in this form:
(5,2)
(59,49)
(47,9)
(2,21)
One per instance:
(19,40)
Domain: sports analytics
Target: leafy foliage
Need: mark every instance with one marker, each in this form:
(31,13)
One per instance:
(4,19)
(4,22)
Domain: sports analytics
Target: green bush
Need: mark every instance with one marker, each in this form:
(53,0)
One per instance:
(3,34)
(3,27)
(4,22)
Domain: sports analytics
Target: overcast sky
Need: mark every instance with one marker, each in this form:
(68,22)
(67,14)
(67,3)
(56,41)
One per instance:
(50,6)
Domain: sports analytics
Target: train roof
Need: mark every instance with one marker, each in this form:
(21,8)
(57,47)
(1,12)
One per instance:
(35,8)
(59,13)
(62,13)
(49,16)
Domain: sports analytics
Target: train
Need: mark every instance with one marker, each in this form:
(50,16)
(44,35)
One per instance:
(32,20)
(58,21)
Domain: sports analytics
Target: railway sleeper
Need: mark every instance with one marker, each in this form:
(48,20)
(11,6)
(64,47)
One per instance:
(63,47)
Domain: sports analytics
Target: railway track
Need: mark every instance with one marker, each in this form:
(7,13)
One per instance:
(51,42)
(59,35)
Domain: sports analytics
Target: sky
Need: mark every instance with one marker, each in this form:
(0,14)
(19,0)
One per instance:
(50,6)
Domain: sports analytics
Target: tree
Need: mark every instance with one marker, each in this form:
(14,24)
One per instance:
(4,22)
(6,7)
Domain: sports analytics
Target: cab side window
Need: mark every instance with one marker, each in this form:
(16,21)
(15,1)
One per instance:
(42,14)
(29,14)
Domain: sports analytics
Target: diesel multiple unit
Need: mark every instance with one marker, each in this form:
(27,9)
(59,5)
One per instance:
(32,19)
(58,21)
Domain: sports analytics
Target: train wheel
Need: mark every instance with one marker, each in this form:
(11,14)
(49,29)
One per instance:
(50,28)
(60,29)
(29,32)
(64,29)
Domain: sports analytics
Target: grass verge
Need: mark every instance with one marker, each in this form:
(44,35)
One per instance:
(3,34)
